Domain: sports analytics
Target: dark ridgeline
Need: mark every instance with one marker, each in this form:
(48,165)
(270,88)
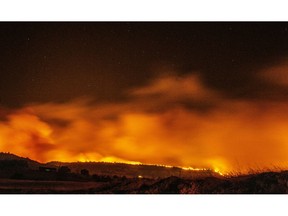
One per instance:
(22,175)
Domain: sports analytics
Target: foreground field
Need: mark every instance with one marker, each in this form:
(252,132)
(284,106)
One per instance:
(265,183)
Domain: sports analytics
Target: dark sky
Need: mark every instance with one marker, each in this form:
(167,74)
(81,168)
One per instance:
(43,62)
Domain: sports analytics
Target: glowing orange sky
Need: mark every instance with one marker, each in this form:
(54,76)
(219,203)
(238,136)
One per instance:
(155,127)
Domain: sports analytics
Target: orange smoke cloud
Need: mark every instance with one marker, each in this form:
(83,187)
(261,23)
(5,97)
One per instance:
(277,74)
(173,121)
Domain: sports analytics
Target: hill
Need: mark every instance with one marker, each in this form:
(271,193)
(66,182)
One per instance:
(15,165)
(11,157)
(133,171)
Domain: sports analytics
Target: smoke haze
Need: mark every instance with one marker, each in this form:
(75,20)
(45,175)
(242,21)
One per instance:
(172,120)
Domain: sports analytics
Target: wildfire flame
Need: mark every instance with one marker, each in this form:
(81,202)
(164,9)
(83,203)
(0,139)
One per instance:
(172,121)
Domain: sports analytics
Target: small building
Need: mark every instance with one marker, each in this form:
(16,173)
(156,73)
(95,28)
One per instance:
(47,169)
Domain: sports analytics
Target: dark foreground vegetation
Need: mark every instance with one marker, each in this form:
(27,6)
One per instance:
(24,176)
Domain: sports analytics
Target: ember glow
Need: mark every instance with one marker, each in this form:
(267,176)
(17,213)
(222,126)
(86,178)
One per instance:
(156,126)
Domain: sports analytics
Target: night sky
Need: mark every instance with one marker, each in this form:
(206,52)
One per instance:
(42,62)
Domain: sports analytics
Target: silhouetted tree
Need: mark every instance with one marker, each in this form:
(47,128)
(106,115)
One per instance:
(84,172)
(64,170)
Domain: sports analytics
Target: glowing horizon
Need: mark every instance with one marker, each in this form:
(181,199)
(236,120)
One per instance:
(155,127)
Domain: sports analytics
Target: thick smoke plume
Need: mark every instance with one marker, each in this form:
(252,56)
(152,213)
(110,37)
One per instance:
(173,120)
